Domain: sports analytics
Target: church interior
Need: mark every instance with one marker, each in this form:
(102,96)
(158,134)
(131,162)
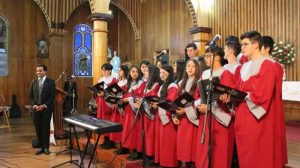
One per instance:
(75,38)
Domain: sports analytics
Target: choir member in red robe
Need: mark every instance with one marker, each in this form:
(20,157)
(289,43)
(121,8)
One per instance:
(241,59)
(131,129)
(254,118)
(104,109)
(222,128)
(145,77)
(188,121)
(165,141)
(151,89)
(118,111)
(231,50)
(279,122)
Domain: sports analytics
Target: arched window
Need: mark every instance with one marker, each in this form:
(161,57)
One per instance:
(3,46)
(82,50)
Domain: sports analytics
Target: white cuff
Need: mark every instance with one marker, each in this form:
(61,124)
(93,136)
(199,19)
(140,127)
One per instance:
(192,115)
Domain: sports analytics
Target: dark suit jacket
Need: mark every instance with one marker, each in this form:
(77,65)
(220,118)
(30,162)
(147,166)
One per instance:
(48,93)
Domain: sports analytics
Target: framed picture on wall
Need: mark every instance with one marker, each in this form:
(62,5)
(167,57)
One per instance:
(43,47)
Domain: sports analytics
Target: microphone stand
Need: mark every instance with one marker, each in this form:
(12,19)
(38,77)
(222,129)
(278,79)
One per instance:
(143,127)
(73,111)
(143,123)
(209,112)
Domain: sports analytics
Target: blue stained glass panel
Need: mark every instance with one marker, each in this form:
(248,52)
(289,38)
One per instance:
(77,41)
(83,59)
(88,41)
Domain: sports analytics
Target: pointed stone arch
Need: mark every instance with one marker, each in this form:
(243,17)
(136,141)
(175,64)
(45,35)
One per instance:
(131,20)
(38,2)
(127,13)
(192,12)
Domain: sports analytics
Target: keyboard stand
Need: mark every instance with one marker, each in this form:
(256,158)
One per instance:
(94,149)
(71,161)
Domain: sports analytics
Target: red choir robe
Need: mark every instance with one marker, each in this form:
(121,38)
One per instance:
(130,133)
(187,129)
(279,122)
(104,109)
(165,144)
(222,129)
(234,69)
(242,58)
(118,115)
(254,123)
(150,123)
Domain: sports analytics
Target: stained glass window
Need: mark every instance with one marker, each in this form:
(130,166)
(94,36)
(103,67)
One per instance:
(82,51)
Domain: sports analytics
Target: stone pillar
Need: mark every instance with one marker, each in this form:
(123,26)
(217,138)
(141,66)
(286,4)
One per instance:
(99,43)
(202,33)
(100,16)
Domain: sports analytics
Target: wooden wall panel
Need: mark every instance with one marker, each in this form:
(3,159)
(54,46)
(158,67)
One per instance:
(26,24)
(126,41)
(277,18)
(165,24)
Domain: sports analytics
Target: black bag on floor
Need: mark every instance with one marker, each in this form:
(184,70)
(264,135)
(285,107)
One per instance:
(15,111)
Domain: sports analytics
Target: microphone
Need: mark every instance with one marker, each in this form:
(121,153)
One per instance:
(160,54)
(216,38)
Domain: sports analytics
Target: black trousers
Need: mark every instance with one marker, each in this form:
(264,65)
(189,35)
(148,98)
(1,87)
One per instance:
(41,121)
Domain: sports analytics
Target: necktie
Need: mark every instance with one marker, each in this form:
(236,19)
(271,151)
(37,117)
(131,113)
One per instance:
(40,88)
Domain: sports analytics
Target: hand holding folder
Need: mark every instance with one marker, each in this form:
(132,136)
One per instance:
(97,88)
(218,90)
(182,101)
(114,93)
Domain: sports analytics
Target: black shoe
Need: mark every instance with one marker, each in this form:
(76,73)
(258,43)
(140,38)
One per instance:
(149,163)
(132,156)
(105,145)
(39,151)
(121,151)
(47,152)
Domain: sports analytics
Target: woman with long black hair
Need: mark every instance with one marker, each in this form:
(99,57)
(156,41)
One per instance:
(130,131)
(165,135)
(188,121)
(118,110)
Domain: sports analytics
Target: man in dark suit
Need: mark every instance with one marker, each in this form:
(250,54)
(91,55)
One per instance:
(42,95)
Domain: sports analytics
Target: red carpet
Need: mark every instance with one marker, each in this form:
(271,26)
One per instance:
(293,131)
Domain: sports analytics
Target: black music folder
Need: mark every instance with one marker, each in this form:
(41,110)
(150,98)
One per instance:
(99,87)
(203,86)
(182,101)
(235,95)
(114,89)
(218,89)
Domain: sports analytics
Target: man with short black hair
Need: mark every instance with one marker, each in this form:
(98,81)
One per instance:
(191,50)
(254,119)
(231,50)
(42,95)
